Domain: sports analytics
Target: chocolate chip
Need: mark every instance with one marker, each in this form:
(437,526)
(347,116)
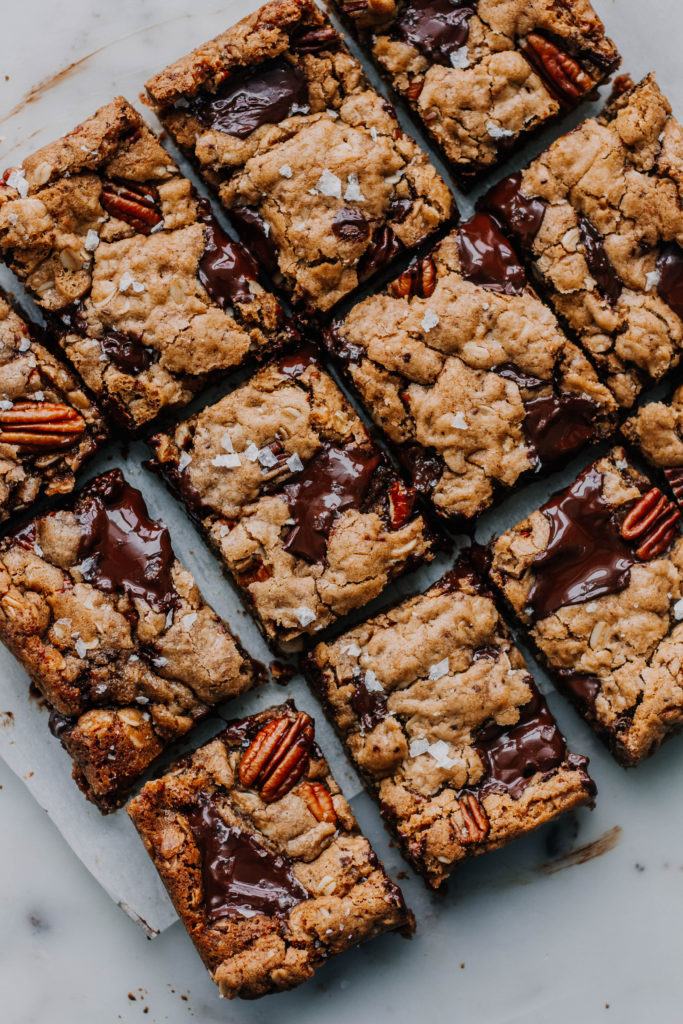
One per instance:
(606,277)
(350,226)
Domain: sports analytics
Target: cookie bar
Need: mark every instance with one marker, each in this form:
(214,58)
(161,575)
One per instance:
(262,856)
(600,217)
(308,160)
(596,577)
(294,496)
(657,430)
(48,425)
(114,633)
(469,374)
(150,294)
(438,712)
(480,75)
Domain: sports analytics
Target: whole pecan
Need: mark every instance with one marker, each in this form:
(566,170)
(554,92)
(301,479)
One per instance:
(278,756)
(652,521)
(319,801)
(561,73)
(137,205)
(40,427)
(401,504)
(476,825)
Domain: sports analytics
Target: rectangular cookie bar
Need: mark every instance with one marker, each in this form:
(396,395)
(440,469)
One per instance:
(295,497)
(599,215)
(438,712)
(150,294)
(308,160)
(480,75)
(596,578)
(262,856)
(48,425)
(657,430)
(115,634)
(468,373)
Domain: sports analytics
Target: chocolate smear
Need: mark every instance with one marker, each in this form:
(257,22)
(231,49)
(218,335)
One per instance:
(557,426)
(486,257)
(519,214)
(255,234)
(437,28)
(608,282)
(265,96)
(226,268)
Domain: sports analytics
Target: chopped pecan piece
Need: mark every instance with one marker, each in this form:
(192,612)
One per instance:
(401,504)
(137,205)
(256,572)
(414,89)
(675,478)
(561,73)
(476,825)
(316,39)
(652,521)
(278,756)
(319,801)
(40,427)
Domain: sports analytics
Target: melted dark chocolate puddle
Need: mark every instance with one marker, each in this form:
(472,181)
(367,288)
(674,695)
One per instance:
(121,548)
(226,268)
(436,27)
(670,267)
(425,470)
(581,687)
(585,556)
(240,876)
(513,754)
(608,282)
(127,353)
(264,97)
(556,426)
(255,234)
(334,480)
(521,216)
(487,258)
(350,226)
(294,364)
(369,705)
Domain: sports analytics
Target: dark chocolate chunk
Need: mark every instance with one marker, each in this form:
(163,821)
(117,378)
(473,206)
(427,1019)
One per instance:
(557,426)
(585,556)
(226,268)
(265,96)
(121,548)
(346,350)
(126,352)
(519,377)
(240,876)
(425,470)
(517,213)
(294,364)
(437,28)
(369,705)
(399,210)
(255,234)
(608,281)
(513,754)
(487,258)
(350,226)
(334,480)
(670,285)
(581,687)
(384,247)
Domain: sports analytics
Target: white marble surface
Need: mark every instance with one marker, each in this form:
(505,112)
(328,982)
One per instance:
(511,940)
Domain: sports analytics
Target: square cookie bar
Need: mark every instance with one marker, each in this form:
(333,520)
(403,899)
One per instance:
(308,160)
(48,425)
(468,373)
(150,294)
(439,714)
(657,430)
(596,578)
(599,215)
(114,633)
(262,856)
(295,497)
(480,75)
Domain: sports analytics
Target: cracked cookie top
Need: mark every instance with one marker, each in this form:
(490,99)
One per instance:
(596,575)
(150,294)
(480,73)
(468,372)
(268,888)
(48,425)
(600,214)
(295,496)
(309,160)
(441,716)
(115,634)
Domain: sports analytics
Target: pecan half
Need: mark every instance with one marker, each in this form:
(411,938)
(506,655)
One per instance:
(278,756)
(476,825)
(652,521)
(414,89)
(561,73)
(401,504)
(40,427)
(137,205)
(675,478)
(418,279)
(316,39)
(319,802)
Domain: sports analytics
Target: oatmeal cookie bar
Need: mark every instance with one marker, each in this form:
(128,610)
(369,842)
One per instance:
(657,430)
(596,578)
(295,497)
(262,856)
(439,714)
(599,215)
(480,75)
(48,425)
(468,373)
(114,633)
(150,294)
(308,160)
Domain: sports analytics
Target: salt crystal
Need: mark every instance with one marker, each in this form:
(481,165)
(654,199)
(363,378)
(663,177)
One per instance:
(429,320)
(305,615)
(329,184)
(440,669)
